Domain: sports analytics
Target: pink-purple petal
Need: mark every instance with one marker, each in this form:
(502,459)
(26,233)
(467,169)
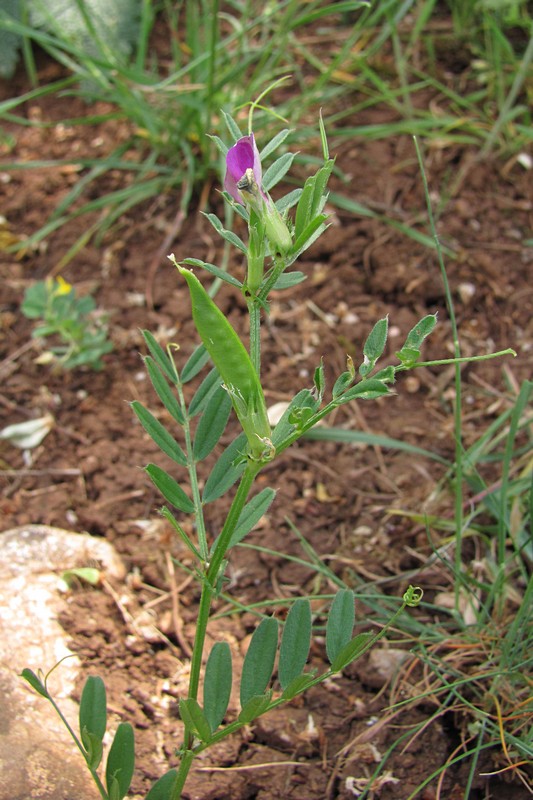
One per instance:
(242,156)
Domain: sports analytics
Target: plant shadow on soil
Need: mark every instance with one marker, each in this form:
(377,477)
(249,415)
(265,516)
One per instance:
(87,474)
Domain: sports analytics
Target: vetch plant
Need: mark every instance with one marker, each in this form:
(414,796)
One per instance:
(275,240)
(71,319)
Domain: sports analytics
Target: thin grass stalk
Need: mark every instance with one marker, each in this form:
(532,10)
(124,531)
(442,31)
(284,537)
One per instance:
(458,487)
(509,102)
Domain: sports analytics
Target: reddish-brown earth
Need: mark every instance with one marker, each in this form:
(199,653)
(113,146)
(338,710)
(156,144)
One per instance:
(87,474)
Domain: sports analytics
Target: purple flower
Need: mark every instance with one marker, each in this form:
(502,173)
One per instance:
(243,170)
(243,182)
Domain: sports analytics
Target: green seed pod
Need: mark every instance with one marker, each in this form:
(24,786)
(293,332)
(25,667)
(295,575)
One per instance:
(231,358)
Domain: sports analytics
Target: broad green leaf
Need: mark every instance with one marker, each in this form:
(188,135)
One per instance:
(226,471)
(368,389)
(254,707)
(340,623)
(351,651)
(217,684)
(421,330)
(93,708)
(212,423)
(163,439)
(374,346)
(170,490)
(162,788)
(163,390)
(277,171)
(193,716)
(298,685)
(160,357)
(259,660)
(204,392)
(213,270)
(35,682)
(195,364)
(121,760)
(295,642)
(251,514)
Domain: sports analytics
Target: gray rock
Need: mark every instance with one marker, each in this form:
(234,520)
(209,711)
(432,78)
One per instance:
(37,757)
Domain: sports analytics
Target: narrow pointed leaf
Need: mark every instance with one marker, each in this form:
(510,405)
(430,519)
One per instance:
(303,211)
(217,684)
(204,392)
(212,423)
(35,682)
(93,708)
(374,345)
(163,390)
(163,439)
(229,236)
(416,335)
(340,623)
(274,143)
(319,188)
(162,788)
(227,470)
(171,491)
(213,270)
(295,642)
(259,660)
(232,125)
(277,171)
(344,380)
(284,428)
(197,361)
(193,716)
(319,381)
(368,389)
(289,279)
(351,651)
(121,760)
(160,356)
(251,514)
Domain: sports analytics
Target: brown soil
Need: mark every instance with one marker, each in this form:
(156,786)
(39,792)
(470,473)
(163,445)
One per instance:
(87,474)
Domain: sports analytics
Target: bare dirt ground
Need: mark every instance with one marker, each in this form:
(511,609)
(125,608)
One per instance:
(87,474)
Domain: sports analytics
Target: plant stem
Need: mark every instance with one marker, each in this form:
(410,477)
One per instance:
(94,774)
(458,422)
(183,771)
(208,590)
(254,312)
